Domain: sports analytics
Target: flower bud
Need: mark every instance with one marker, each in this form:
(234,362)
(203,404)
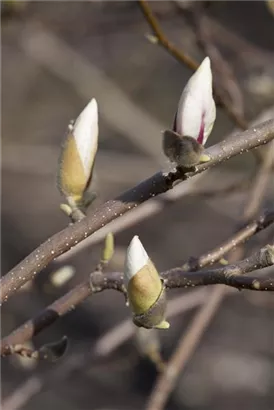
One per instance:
(193,121)
(78,154)
(146,293)
(196,112)
(184,151)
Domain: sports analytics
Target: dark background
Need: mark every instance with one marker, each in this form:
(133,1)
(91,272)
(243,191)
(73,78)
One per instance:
(137,86)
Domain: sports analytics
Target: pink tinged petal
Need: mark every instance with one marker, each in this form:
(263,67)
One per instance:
(196,110)
(200,138)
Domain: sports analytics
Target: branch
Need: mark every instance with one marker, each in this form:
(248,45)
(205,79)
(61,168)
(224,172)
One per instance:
(183,351)
(225,81)
(188,341)
(112,209)
(161,38)
(229,275)
(239,238)
(183,58)
(99,282)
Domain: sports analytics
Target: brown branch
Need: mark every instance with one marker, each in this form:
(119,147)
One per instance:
(260,183)
(188,342)
(124,330)
(190,339)
(229,275)
(221,98)
(174,278)
(225,84)
(112,209)
(161,38)
(98,282)
(239,238)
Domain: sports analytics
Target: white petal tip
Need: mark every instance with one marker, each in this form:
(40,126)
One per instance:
(136,258)
(205,62)
(204,69)
(85,131)
(88,116)
(90,111)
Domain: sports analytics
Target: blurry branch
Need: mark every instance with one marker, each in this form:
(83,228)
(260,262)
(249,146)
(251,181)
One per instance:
(183,351)
(218,62)
(161,38)
(178,277)
(127,118)
(124,330)
(95,283)
(189,340)
(260,183)
(231,39)
(225,84)
(22,394)
(112,209)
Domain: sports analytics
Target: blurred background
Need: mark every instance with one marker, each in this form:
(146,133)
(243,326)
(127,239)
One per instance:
(56,56)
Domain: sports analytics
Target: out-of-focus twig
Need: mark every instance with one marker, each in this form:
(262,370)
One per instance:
(183,351)
(217,61)
(225,84)
(260,183)
(22,394)
(161,38)
(127,118)
(121,332)
(189,340)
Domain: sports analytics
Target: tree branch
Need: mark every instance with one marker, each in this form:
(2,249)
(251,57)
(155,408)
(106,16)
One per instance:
(189,62)
(112,209)
(229,275)
(99,282)
(161,38)
(183,351)
(226,87)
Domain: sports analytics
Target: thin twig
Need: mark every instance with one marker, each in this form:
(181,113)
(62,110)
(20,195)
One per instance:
(112,209)
(190,339)
(183,58)
(226,87)
(121,332)
(260,183)
(239,238)
(161,38)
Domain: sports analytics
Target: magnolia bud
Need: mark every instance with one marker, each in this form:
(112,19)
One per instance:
(146,292)
(184,151)
(193,121)
(78,154)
